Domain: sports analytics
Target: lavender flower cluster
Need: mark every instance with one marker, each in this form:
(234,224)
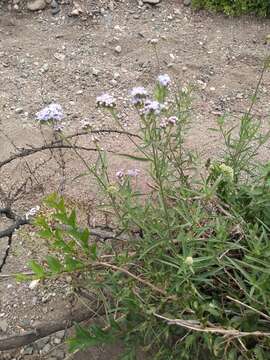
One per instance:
(120,174)
(106,100)
(52,112)
(171,121)
(152,107)
(164,80)
(138,95)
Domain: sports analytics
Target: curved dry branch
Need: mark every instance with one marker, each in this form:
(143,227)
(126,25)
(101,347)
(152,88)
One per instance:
(8,213)
(8,232)
(197,326)
(33,150)
(16,225)
(58,144)
(103,131)
(3,262)
(45,329)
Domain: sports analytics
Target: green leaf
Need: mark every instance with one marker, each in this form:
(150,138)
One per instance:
(72,219)
(93,250)
(85,338)
(54,264)
(80,176)
(82,339)
(41,221)
(59,243)
(62,216)
(81,236)
(36,268)
(22,277)
(51,200)
(84,238)
(72,264)
(45,234)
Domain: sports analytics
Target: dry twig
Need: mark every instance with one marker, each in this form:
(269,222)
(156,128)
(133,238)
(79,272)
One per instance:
(197,326)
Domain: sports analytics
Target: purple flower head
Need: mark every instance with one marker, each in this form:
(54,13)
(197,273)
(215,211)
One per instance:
(138,95)
(58,127)
(139,91)
(120,174)
(152,107)
(163,124)
(52,112)
(106,100)
(172,120)
(133,172)
(164,80)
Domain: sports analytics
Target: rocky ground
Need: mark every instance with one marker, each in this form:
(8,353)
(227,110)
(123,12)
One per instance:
(70,53)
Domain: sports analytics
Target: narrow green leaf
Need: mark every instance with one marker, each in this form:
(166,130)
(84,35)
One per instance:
(132,157)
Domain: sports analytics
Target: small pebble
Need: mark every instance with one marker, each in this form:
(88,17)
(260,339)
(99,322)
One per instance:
(187,2)
(95,72)
(19,110)
(118,49)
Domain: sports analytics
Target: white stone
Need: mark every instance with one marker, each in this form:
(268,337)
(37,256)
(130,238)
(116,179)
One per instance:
(95,72)
(118,49)
(36,5)
(33,284)
(3,325)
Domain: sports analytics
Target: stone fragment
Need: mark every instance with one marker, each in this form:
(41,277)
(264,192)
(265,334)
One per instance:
(36,5)
(3,325)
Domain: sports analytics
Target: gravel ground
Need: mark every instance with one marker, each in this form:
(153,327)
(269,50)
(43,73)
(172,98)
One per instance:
(70,58)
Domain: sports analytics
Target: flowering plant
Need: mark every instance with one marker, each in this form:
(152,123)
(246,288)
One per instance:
(50,113)
(186,272)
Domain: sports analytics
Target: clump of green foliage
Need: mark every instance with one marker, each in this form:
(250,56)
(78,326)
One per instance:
(188,275)
(235,7)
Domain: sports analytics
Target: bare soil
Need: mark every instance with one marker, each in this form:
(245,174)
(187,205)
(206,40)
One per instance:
(71,60)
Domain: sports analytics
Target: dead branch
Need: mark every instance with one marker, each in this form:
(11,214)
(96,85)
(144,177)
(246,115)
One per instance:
(8,232)
(57,144)
(197,326)
(133,276)
(3,262)
(103,131)
(20,221)
(45,329)
(33,150)
(8,213)
(13,275)
(99,233)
